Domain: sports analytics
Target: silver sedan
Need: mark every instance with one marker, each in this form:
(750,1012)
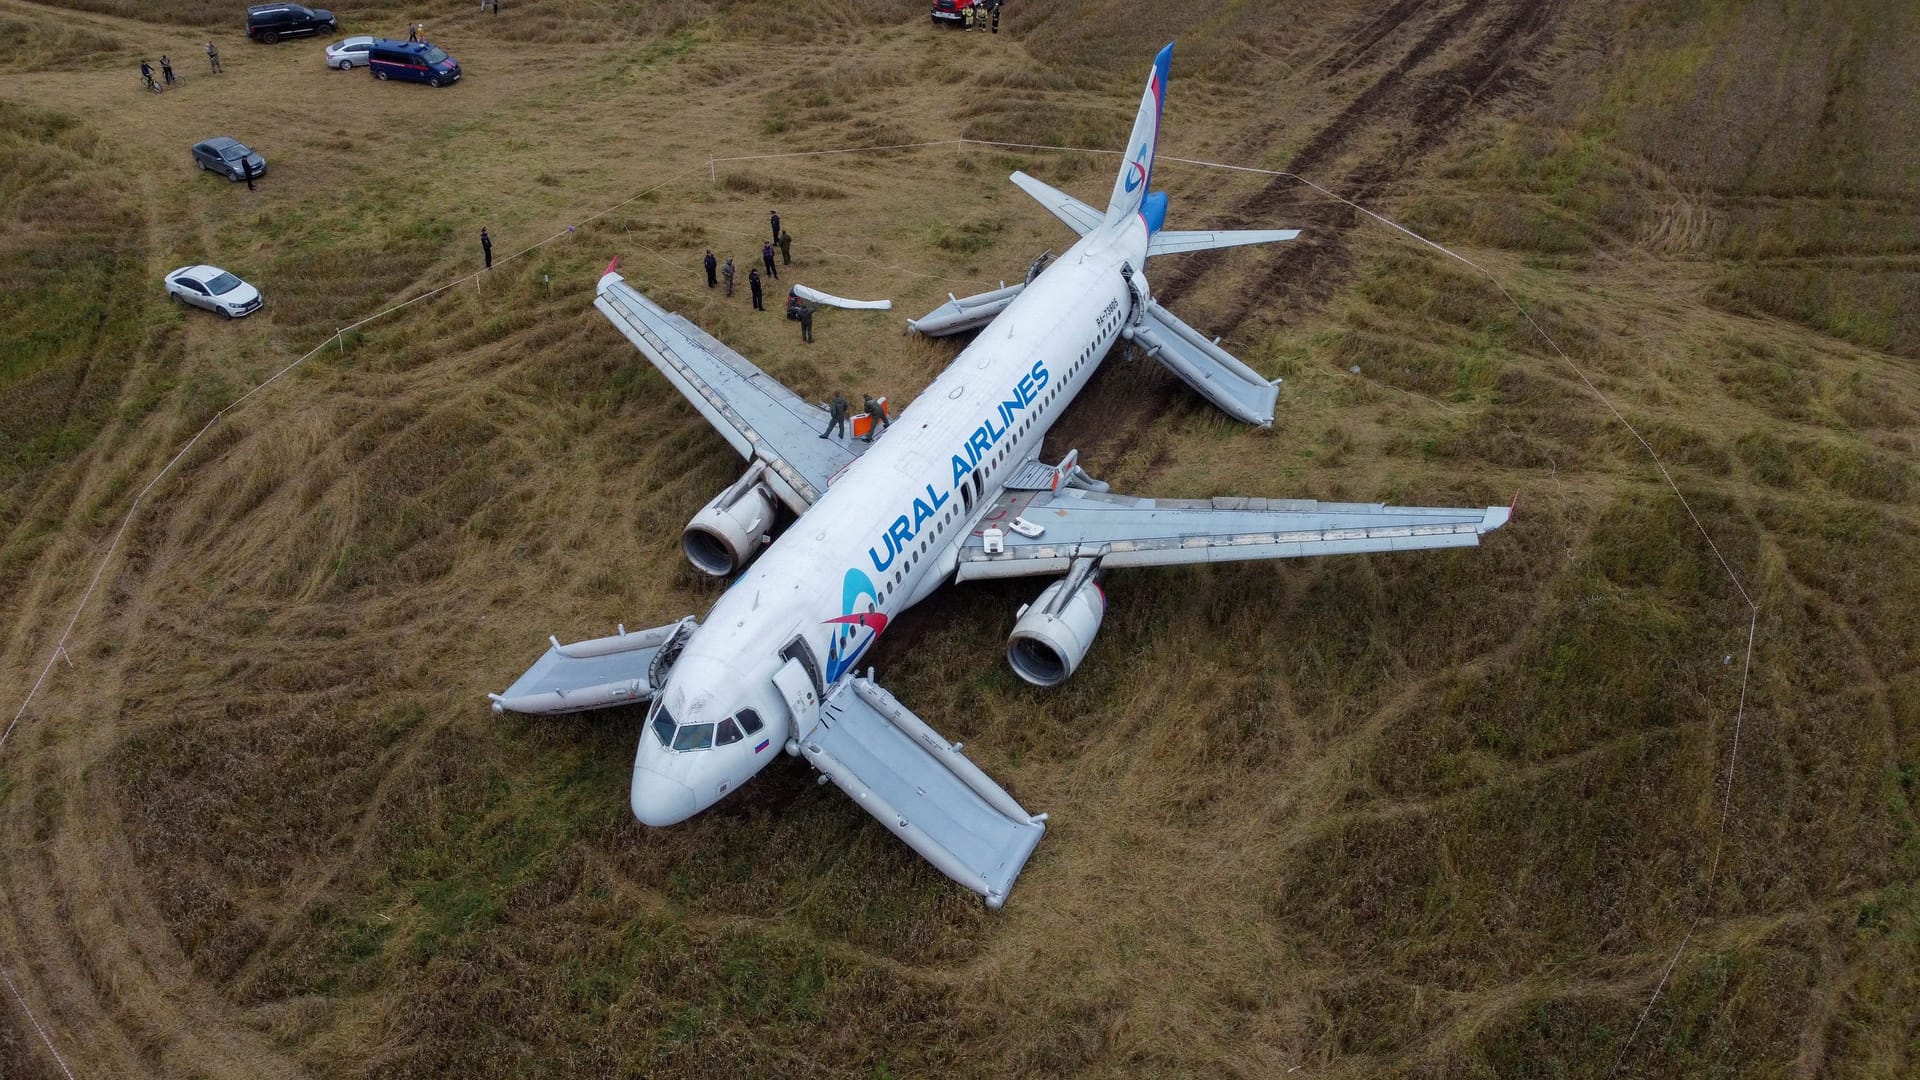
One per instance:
(349,53)
(214,289)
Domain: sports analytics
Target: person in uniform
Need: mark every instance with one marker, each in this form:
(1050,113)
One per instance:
(878,413)
(726,274)
(766,256)
(773,218)
(213,58)
(712,264)
(753,284)
(786,248)
(806,323)
(836,415)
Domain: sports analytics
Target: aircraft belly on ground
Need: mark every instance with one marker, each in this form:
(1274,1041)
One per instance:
(952,490)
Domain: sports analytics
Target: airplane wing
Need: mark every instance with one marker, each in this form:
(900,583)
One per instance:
(1173,241)
(1043,529)
(1076,215)
(749,408)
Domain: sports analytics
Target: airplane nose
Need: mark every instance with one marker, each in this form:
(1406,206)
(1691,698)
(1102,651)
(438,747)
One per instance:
(661,800)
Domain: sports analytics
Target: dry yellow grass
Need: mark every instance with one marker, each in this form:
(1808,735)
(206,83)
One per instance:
(1390,816)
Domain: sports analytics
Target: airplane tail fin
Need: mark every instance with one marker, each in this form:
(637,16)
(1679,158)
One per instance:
(1136,175)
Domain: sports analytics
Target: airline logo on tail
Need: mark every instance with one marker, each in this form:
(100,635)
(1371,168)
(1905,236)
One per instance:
(1137,168)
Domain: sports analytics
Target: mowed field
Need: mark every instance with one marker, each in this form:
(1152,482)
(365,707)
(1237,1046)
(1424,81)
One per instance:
(1595,799)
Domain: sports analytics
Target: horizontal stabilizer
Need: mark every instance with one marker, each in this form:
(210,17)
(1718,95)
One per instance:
(960,314)
(922,788)
(1214,373)
(1078,216)
(1172,242)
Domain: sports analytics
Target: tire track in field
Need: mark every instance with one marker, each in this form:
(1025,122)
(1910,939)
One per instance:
(1460,66)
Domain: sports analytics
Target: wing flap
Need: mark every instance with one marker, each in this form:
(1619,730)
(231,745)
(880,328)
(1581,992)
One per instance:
(1123,531)
(1211,371)
(757,415)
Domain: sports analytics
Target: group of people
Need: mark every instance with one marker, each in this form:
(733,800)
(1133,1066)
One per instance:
(718,272)
(837,416)
(166,69)
(981,15)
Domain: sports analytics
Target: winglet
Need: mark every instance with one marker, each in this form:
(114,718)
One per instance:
(1514,505)
(610,276)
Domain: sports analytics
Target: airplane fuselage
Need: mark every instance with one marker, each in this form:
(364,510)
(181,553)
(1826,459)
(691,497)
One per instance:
(887,532)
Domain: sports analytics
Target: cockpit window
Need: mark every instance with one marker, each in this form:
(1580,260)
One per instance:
(751,721)
(663,726)
(728,732)
(693,737)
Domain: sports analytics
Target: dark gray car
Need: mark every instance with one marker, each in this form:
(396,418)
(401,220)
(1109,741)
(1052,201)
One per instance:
(224,154)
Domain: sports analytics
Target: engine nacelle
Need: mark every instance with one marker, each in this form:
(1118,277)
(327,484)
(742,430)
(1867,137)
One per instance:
(1054,632)
(729,531)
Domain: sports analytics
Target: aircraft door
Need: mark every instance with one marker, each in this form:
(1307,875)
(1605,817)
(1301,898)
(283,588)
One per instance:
(802,700)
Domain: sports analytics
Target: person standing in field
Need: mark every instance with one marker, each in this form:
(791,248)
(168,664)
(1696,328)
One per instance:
(806,323)
(213,58)
(246,170)
(786,248)
(766,256)
(753,283)
(486,247)
(166,68)
(773,218)
(994,8)
(726,274)
(712,264)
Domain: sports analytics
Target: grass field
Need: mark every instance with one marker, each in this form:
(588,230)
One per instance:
(1447,815)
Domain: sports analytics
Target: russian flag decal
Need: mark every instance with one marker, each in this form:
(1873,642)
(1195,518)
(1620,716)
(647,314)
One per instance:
(764,743)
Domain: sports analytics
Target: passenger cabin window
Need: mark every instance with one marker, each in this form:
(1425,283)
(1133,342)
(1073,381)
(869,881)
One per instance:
(727,733)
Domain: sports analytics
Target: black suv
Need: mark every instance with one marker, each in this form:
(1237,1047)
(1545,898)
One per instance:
(271,22)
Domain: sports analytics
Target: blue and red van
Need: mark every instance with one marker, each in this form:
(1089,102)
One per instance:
(415,61)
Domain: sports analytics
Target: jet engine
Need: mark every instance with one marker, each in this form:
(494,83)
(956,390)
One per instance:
(1053,634)
(729,531)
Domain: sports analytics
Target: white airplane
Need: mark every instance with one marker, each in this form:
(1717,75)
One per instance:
(952,491)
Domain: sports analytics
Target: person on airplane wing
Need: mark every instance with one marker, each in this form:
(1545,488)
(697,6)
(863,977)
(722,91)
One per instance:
(879,413)
(837,415)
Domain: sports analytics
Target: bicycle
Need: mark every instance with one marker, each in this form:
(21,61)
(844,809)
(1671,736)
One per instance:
(147,81)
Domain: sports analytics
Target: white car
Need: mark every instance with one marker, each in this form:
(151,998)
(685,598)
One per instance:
(349,53)
(214,289)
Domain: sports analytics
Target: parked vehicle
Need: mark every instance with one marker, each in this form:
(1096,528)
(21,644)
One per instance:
(271,22)
(224,155)
(952,12)
(214,289)
(415,61)
(349,53)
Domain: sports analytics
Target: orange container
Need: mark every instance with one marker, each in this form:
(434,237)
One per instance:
(863,422)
